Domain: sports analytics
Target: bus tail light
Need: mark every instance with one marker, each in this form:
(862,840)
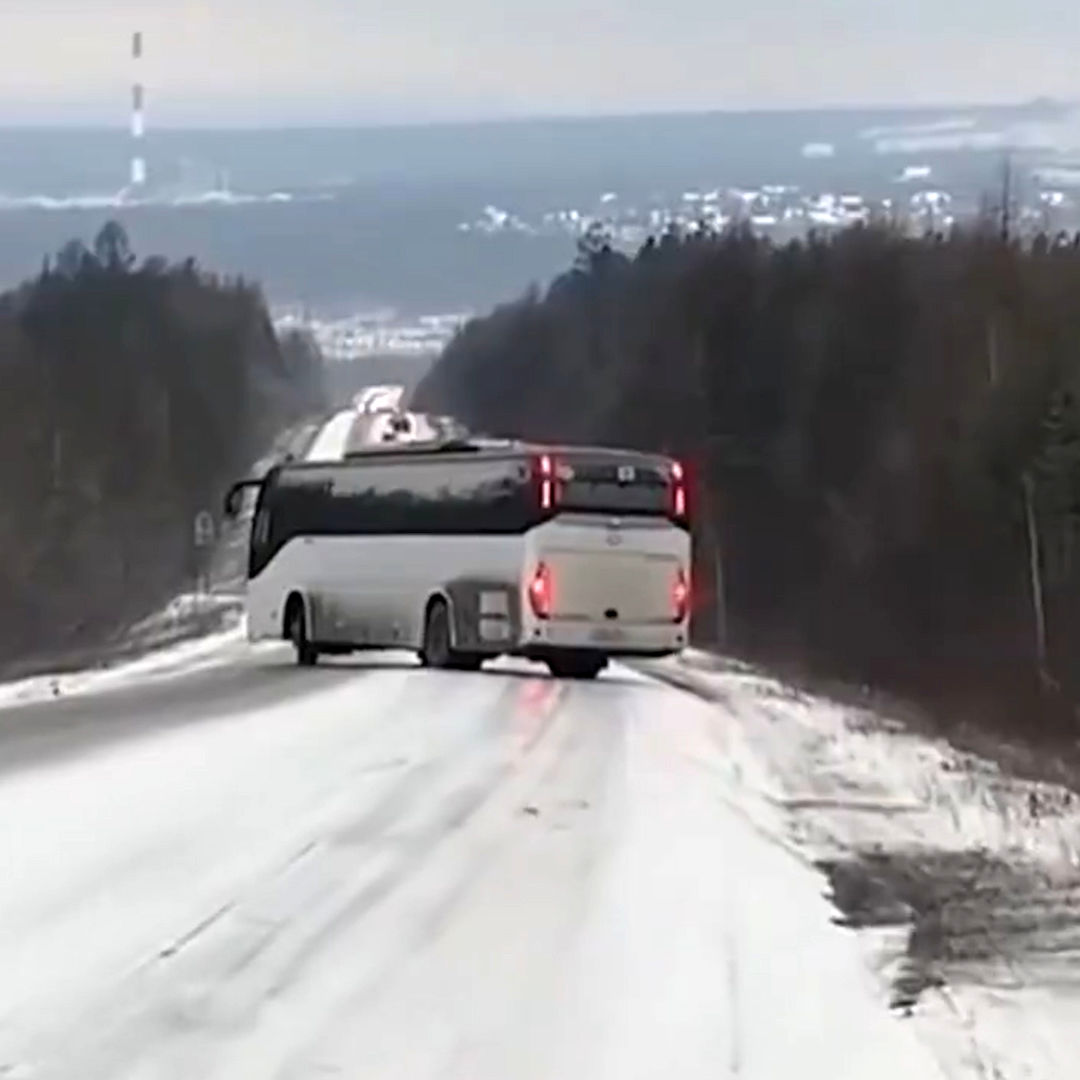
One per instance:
(678,490)
(680,596)
(547,482)
(540,592)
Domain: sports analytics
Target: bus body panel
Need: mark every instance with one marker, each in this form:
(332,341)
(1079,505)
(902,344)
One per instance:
(612,582)
(368,543)
(372,591)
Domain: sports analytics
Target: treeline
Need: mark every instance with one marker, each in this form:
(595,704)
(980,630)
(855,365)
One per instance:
(885,433)
(130,393)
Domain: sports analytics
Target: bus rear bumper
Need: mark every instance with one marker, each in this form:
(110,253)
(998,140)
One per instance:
(642,639)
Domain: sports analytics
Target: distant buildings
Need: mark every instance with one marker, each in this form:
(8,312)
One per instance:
(913,173)
(784,211)
(1048,202)
(380,333)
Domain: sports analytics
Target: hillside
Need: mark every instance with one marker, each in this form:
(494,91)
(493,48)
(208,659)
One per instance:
(885,435)
(130,393)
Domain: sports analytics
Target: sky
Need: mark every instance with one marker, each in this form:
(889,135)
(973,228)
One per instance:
(273,62)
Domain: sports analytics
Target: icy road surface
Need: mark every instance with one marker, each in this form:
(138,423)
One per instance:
(248,870)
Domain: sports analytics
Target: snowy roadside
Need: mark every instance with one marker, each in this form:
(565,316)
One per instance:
(192,629)
(963,881)
(190,632)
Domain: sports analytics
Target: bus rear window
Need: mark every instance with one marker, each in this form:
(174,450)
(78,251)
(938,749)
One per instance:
(614,488)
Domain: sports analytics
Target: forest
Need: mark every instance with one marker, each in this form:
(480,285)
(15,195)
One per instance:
(884,433)
(131,393)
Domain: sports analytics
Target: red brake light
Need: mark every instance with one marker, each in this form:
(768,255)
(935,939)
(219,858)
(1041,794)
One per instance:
(540,592)
(547,484)
(680,596)
(678,490)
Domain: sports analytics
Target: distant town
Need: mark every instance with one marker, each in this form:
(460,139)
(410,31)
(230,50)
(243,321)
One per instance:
(787,211)
(1048,203)
(377,333)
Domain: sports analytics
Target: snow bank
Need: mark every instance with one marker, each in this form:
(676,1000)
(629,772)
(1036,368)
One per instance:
(333,439)
(870,782)
(963,880)
(175,660)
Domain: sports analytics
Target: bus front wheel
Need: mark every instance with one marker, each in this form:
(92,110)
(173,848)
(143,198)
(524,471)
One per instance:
(307,655)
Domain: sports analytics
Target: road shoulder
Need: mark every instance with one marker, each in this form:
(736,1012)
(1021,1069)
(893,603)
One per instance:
(961,879)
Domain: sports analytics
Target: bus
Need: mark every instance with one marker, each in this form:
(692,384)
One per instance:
(469,549)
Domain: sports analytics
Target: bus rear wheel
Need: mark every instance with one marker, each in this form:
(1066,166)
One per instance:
(468,661)
(307,655)
(576,665)
(437,650)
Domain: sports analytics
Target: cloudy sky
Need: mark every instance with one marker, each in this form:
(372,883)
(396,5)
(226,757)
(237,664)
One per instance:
(339,61)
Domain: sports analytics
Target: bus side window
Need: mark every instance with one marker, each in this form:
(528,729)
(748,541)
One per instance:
(260,532)
(262,526)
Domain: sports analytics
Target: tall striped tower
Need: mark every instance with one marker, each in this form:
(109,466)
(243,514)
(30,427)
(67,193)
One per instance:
(138,118)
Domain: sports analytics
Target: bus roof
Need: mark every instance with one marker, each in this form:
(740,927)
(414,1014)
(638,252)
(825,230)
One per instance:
(473,445)
(535,477)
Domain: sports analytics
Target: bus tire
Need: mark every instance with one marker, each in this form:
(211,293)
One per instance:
(467,661)
(576,666)
(307,655)
(436,651)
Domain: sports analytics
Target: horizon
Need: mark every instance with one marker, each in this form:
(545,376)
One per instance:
(242,64)
(471,121)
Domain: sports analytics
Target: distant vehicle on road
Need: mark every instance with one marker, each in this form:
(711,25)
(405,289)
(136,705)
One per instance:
(468,549)
(379,399)
(381,418)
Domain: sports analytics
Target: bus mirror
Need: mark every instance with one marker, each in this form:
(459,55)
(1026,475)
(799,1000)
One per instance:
(233,501)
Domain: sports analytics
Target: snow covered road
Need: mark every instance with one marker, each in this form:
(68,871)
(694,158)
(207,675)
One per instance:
(247,870)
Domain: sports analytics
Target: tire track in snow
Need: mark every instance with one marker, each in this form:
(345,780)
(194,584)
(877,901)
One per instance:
(216,975)
(555,811)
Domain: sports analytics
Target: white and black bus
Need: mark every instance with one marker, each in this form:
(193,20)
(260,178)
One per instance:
(472,549)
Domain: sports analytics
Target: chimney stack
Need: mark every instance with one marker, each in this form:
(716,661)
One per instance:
(138,118)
